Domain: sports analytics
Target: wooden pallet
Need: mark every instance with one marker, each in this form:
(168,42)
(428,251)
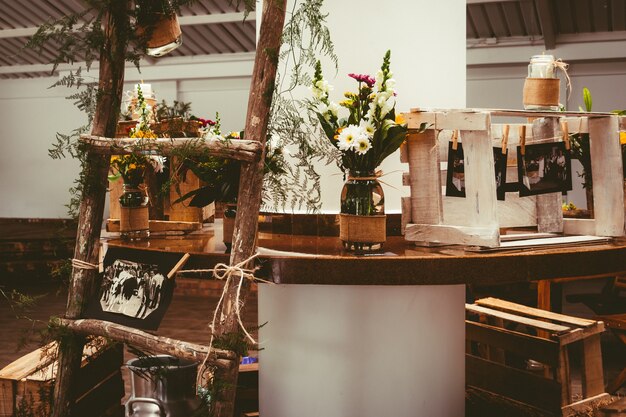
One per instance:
(26,383)
(429,217)
(501,338)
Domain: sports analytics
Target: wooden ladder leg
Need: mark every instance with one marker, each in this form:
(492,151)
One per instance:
(250,185)
(112,59)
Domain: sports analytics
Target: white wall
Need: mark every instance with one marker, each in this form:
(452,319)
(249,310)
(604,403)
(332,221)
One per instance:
(33,185)
(427,59)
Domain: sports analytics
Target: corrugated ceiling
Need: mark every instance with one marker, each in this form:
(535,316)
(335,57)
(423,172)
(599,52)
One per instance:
(209,28)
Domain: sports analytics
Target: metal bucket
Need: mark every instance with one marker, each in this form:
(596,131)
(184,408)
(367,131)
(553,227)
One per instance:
(162,386)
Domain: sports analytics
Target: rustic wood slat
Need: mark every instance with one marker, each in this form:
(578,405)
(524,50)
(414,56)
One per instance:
(563,375)
(540,325)
(480,186)
(426,204)
(159,226)
(221,358)
(513,383)
(510,307)
(451,234)
(240,149)
(107,394)
(581,333)
(549,210)
(592,375)
(606,165)
(537,348)
(582,407)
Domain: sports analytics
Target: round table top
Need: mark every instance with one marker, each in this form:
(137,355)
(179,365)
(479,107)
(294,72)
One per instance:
(311,259)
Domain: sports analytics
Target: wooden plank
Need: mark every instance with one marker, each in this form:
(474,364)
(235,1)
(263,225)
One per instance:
(449,234)
(406,179)
(510,307)
(426,204)
(563,376)
(185,181)
(577,124)
(540,325)
(549,206)
(404,156)
(449,119)
(528,346)
(28,364)
(591,372)
(582,407)
(159,226)
(480,186)
(416,117)
(581,333)
(405,217)
(240,149)
(513,383)
(515,211)
(606,165)
(579,226)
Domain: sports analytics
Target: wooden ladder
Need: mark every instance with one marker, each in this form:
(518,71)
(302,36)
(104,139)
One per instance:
(100,146)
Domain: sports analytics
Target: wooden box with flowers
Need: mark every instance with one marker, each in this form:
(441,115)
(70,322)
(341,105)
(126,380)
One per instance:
(370,133)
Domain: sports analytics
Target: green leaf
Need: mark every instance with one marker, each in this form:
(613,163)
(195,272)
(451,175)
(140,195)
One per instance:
(587,99)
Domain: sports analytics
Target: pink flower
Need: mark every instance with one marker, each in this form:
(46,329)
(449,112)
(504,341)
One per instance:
(363,78)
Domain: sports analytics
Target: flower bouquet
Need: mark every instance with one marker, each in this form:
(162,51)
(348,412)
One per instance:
(370,133)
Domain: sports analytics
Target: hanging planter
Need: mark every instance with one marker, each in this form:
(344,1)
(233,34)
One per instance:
(159,24)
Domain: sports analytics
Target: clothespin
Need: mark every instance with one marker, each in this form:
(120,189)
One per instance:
(565,130)
(522,138)
(455,136)
(505,138)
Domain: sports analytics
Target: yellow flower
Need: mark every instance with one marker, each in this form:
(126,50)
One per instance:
(622,138)
(400,119)
(337,132)
(132,166)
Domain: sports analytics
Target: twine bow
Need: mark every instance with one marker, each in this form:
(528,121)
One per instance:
(77,263)
(227,273)
(563,67)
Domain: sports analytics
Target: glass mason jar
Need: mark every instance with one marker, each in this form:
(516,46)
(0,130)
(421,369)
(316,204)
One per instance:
(362,195)
(541,89)
(134,223)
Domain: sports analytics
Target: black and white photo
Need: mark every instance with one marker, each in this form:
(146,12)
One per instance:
(134,289)
(455,180)
(499,166)
(544,168)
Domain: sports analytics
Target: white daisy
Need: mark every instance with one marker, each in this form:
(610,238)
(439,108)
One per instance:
(348,136)
(368,127)
(362,145)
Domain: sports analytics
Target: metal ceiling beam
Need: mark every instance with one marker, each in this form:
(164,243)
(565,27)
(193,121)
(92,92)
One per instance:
(183,20)
(546,19)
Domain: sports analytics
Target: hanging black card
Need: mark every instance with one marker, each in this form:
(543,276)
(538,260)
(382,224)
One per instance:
(455,179)
(544,168)
(499,166)
(134,289)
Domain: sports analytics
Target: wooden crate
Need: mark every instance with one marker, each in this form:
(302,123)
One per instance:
(429,217)
(26,385)
(506,335)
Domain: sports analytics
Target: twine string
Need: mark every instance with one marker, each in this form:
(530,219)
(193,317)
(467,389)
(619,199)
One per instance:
(77,263)
(227,273)
(563,67)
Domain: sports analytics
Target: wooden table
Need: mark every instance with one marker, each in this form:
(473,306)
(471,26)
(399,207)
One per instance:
(374,335)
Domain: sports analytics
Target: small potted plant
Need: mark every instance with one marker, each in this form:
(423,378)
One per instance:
(176,120)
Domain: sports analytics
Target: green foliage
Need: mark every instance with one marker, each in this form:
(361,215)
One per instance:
(587,99)
(177,109)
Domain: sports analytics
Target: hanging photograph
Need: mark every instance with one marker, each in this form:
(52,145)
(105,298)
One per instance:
(499,166)
(544,168)
(134,289)
(455,180)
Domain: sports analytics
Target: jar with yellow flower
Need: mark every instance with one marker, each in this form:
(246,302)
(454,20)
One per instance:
(134,218)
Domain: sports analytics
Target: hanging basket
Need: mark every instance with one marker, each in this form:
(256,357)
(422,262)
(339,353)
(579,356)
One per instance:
(165,33)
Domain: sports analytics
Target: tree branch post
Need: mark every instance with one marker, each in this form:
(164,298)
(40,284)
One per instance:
(251,182)
(111,80)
